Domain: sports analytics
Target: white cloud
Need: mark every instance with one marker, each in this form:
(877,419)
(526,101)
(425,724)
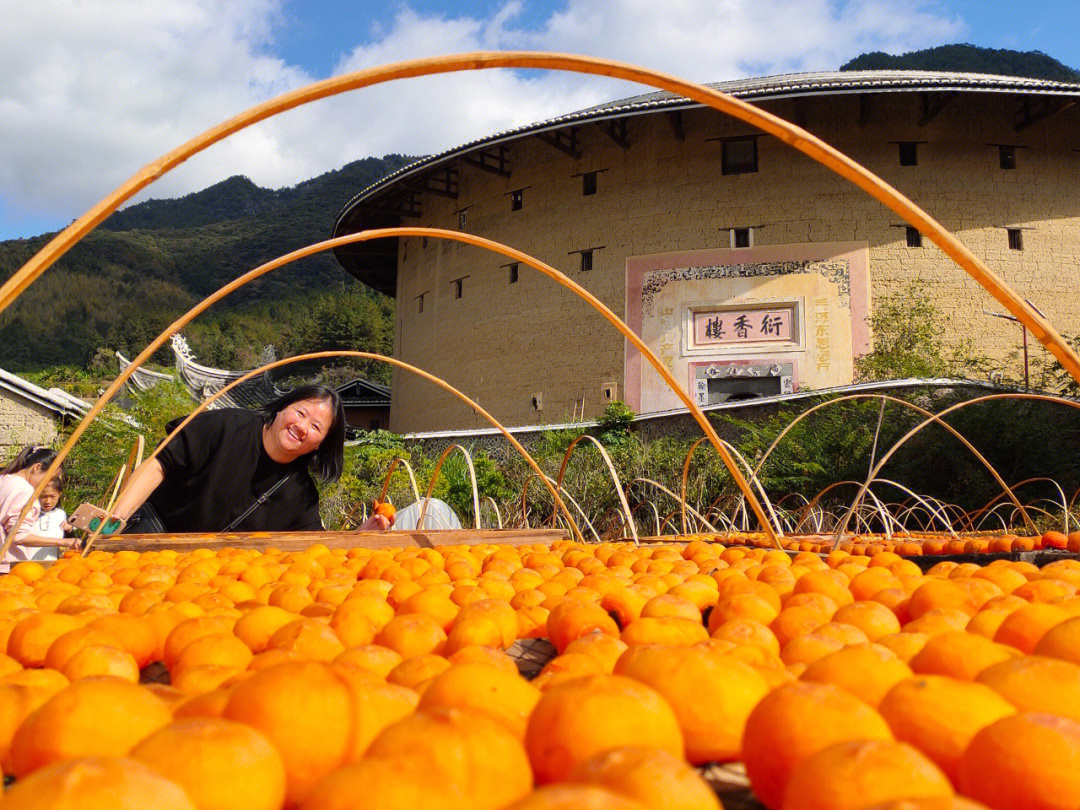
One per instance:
(92,91)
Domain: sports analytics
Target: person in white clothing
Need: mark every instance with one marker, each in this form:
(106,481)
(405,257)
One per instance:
(52,521)
(17,483)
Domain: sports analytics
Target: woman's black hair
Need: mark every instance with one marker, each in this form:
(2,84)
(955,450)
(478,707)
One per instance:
(34,454)
(328,459)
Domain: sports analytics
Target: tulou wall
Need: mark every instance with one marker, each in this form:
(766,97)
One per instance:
(659,232)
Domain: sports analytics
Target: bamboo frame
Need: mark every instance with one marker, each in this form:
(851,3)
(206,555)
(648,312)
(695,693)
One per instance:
(796,137)
(476,241)
(472,479)
(611,470)
(1006,491)
(938,418)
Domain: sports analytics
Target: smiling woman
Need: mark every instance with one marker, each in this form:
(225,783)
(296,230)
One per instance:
(241,470)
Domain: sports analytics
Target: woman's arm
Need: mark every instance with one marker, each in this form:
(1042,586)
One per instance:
(145,480)
(36,540)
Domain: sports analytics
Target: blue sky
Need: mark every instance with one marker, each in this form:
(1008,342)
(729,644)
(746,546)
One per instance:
(93,91)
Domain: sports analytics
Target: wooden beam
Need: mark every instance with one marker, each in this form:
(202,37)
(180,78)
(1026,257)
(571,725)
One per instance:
(1047,109)
(444,183)
(616,130)
(675,119)
(934,103)
(495,162)
(299,541)
(566,141)
(802,113)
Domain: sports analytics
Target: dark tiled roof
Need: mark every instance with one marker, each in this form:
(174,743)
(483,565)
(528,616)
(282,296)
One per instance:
(360,392)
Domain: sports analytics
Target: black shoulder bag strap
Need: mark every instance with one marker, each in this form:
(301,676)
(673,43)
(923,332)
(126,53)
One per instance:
(261,500)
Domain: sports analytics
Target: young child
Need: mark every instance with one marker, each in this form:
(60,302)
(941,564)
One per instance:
(17,483)
(51,522)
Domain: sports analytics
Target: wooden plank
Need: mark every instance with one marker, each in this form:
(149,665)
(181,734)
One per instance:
(298,541)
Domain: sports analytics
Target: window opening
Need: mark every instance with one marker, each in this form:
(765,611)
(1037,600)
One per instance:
(462,219)
(914,237)
(742,237)
(1016,238)
(739,156)
(1007,157)
(516,200)
(513,273)
(420,303)
(586,260)
(909,154)
(458,284)
(588,184)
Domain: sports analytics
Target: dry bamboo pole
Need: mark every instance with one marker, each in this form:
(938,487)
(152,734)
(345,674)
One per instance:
(127,470)
(938,418)
(472,480)
(614,479)
(753,480)
(321,355)
(466,238)
(795,136)
(397,461)
(911,405)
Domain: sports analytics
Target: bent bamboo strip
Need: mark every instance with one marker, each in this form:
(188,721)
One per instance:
(795,136)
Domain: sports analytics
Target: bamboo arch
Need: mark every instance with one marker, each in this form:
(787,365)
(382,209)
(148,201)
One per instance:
(795,136)
(611,471)
(936,418)
(340,353)
(1006,491)
(477,241)
(394,464)
(753,480)
(435,477)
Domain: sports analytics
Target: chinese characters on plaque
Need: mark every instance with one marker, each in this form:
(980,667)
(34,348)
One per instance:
(744,326)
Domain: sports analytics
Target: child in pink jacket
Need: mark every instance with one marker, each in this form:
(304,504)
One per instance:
(17,483)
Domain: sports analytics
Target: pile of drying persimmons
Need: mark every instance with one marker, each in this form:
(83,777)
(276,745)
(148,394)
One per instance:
(327,680)
(908,544)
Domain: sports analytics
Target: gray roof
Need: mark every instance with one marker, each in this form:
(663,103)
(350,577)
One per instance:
(56,400)
(790,85)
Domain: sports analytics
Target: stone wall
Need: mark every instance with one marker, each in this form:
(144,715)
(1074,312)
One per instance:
(22,422)
(505,343)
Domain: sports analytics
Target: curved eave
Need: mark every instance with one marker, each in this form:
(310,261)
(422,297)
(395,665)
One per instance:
(375,263)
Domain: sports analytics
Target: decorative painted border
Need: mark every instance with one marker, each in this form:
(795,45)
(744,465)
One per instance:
(837,270)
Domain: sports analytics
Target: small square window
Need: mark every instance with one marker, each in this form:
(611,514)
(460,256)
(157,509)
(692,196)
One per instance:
(588,184)
(513,273)
(914,238)
(515,200)
(458,284)
(1016,238)
(740,238)
(739,156)
(462,220)
(909,153)
(1007,157)
(586,260)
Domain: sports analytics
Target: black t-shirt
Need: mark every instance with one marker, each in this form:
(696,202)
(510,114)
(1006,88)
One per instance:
(216,468)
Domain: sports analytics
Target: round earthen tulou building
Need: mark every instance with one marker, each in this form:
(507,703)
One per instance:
(747,267)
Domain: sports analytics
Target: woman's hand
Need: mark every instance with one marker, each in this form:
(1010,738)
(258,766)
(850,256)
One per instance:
(375,523)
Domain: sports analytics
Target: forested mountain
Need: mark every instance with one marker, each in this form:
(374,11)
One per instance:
(969,59)
(145,265)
